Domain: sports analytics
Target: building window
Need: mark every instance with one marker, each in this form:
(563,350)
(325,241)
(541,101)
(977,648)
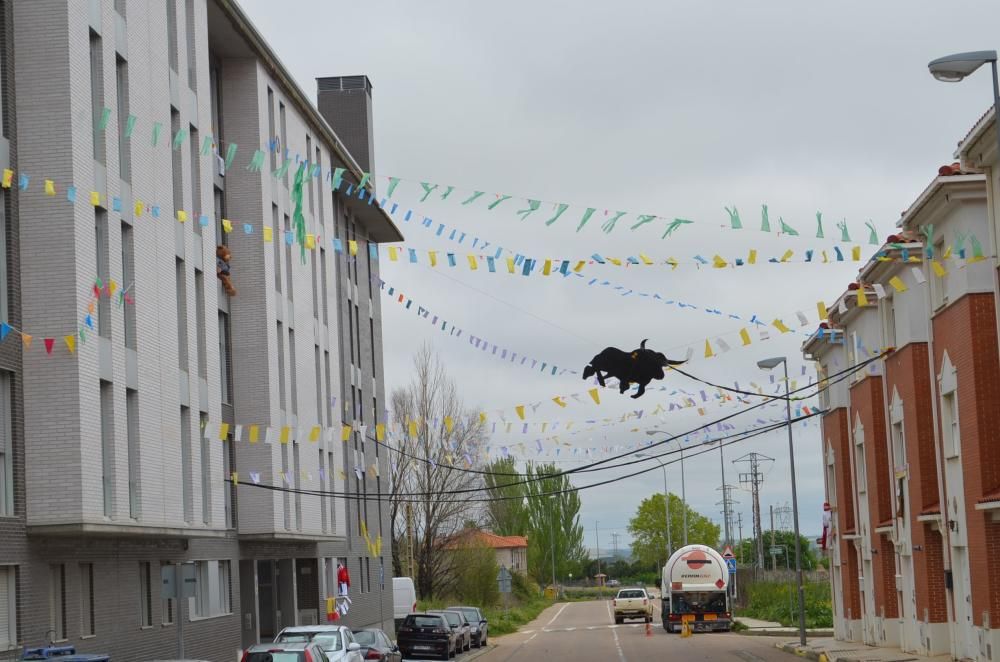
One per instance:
(949,425)
(107,446)
(102,241)
(8,607)
(225,359)
(859,462)
(97,94)
(4,294)
(284,136)
(329,393)
(168,605)
(281,366)
(215,96)
(197,206)
(361,564)
(323,291)
(271,135)
(187,497)
(276,240)
(888,310)
(57,601)
(172,33)
(368,573)
(297,468)
(315,284)
(293,371)
(128,281)
(312,204)
(199,323)
(286,502)
(225,587)
(145,594)
(323,488)
(132,428)
(219,201)
(206,470)
(176,164)
(192,61)
(229,491)
(214,594)
(124,144)
(120,7)
(288,258)
(182,326)
(318,167)
(6,449)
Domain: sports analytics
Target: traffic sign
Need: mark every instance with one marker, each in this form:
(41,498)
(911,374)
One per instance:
(731,563)
(727,553)
(777,551)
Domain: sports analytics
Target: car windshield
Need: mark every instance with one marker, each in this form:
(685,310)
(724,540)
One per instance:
(327,640)
(280,656)
(631,594)
(424,621)
(452,617)
(365,637)
(471,614)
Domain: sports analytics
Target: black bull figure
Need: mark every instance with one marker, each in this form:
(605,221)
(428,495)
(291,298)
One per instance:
(640,366)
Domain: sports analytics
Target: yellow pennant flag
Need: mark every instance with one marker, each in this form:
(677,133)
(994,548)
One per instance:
(559,401)
(939,270)
(70,343)
(112,286)
(286,432)
(947,253)
(50,187)
(26,339)
(352,246)
(223,431)
(752,257)
(821,309)
(856,253)
(862,298)
(595,395)
(719,263)
(345,432)
(449,424)
(897,284)
(708,350)
(8,178)
(520,411)
(482,417)
(579,266)
(615,261)
(433,255)
(95,198)
(310,242)
(182,215)
(547,267)
(672,262)
(825,258)
(364,529)
(787,256)
(745,336)
(268,234)
(139,208)
(413,428)
(780,326)
(380,432)
(235,477)
(645,259)
(473,263)
(314,433)
(227,225)
(510,264)
(254,433)
(393,253)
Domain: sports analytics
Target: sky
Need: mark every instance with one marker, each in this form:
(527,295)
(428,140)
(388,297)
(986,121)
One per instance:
(678,109)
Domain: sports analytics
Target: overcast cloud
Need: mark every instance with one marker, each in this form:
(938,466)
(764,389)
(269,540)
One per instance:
(667,108)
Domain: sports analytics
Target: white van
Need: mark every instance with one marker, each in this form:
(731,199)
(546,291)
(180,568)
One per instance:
(404,598)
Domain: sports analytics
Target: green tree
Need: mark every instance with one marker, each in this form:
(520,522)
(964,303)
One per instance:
(649,535)
(553,525)
(475,569)
(507,516)
(746,551)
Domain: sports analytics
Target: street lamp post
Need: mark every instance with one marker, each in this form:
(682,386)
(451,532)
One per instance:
(768,364)
(684,509)
(666,502)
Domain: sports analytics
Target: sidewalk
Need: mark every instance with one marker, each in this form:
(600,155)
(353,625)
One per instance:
(772,629)
(830,650)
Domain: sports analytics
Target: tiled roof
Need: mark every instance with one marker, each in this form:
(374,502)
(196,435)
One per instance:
(488,539)
(933,509)
(990,497)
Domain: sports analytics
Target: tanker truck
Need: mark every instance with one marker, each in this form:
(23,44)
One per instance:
(695,589)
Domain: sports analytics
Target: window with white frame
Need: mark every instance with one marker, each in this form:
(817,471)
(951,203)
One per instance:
(87,599)
(949,424)
(3,257)
(8,607)
(859,459)
(213,596)
(225,593)
(145,594)
(6,448)
(167,604)
(899,458)
(57,601)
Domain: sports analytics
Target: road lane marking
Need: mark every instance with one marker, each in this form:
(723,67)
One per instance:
(557,614)
(614,633)
(530,638)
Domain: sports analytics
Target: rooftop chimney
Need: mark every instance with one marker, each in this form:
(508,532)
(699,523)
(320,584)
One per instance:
(345,102)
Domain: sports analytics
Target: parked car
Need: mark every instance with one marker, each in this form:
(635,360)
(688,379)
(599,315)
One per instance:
(376,645)
(404,599)
(477,619)
(427,634)
(632,603)
(614,582)
(293,651)
(458,623)
(337,641)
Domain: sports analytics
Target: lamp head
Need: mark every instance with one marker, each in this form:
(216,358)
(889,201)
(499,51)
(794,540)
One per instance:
(768,364)
(953,68)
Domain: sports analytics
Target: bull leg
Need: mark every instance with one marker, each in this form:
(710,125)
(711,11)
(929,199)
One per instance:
(600,377)
(623,385)
(642,389)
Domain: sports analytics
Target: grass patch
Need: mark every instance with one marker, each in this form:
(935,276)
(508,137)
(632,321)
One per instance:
(501,621)
(589,593)
(778,602)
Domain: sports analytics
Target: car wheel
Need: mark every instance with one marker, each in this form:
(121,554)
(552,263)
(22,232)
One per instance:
(619,621)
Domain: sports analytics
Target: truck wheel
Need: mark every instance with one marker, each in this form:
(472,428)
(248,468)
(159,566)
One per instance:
(619,621)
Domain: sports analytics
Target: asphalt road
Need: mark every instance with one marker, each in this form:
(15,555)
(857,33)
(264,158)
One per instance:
(585,632)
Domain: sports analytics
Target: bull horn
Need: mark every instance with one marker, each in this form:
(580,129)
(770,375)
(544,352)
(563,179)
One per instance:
(642,345)
(667,361)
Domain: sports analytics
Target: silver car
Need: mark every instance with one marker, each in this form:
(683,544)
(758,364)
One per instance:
(337,641)
(460,626)
(477,620)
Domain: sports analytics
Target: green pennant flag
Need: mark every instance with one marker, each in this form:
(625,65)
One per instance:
(928,232)
(444,196)
(157,128)
(496,202)
(734,218)
(102,122)
(298,219)
(230,155)
(609,224)
(586,217)
(179,138)
(844,234)
(977,248)
(206,145)
(873,235)
(765,222)
(787,229)
(338,178)
(674,224)
(559,212)
(257,162)
(471,198)
(533,206)
(365,176)
(819,225)
(129,126)
(393,183)
(643,219)
(283,170)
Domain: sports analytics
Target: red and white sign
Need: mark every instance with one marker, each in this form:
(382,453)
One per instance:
(727,553)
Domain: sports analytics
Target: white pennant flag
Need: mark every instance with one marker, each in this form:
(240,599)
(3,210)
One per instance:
(722,344)
(842,307)
(803,320)
(879,290)
(918,275)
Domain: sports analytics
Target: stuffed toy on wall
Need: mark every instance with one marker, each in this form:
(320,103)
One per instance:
(222,257)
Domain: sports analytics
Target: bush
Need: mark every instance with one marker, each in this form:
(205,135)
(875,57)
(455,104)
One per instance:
(778,602)
(523,587)
(476,575)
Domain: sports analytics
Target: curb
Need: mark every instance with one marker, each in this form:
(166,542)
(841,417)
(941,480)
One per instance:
(807,653)
(777,633)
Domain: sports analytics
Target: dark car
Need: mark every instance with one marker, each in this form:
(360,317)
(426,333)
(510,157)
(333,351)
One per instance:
(477,619)
(427,634)
(460,625)
(376,645)
(298,651)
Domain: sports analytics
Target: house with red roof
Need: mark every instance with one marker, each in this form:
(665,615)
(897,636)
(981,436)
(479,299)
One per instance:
(511,551)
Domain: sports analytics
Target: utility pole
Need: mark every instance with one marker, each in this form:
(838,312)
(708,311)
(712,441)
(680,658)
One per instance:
(614,545)
(725,503)
(772,536)
(754,478)
(597,534)
(727,510)
(739,547)
(552,545)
